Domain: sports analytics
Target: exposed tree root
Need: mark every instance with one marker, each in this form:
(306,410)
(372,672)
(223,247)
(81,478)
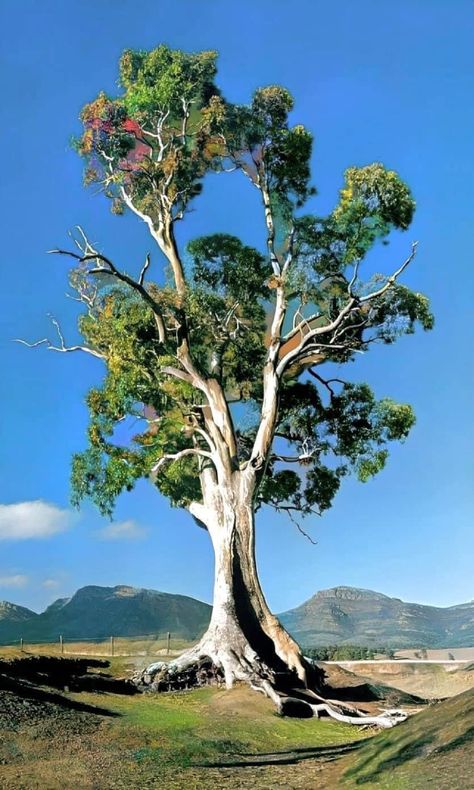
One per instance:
(196,667)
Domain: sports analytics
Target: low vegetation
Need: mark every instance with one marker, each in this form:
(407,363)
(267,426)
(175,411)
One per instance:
(204,738)
(348,653)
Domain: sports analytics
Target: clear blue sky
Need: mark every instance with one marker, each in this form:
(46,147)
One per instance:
(390,82)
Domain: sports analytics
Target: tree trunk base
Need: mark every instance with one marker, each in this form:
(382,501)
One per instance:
(207,665)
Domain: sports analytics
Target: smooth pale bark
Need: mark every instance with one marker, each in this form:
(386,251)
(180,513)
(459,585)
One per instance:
(244,638)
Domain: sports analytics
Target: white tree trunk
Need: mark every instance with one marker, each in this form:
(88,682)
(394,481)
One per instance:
(244,640)
(243,637)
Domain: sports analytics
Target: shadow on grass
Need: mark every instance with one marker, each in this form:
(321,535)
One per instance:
(403,754)
(287,757)
(461,740)
(25,690)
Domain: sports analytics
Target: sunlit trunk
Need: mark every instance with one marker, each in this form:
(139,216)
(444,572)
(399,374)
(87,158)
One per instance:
(244,637)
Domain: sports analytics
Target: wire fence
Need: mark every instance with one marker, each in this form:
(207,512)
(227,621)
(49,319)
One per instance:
(164,644)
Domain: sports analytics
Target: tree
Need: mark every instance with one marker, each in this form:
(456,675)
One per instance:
(222,361)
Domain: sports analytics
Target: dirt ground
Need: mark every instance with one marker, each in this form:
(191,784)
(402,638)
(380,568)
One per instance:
(430,681)
(52,738)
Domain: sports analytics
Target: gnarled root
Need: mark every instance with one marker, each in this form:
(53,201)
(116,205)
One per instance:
(295,706)
(205,665)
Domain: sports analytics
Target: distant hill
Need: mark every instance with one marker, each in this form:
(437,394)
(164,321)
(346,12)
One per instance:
(348,615)
(96,612)
(12,618)
(341,615)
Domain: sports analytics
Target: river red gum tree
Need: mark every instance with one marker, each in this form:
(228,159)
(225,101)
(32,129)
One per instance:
(233,325)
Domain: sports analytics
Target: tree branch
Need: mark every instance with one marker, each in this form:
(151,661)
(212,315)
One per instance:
(144,269)
(353,304)
(289,509)
(108,267)
(63,347)
(181,454)
(326,382)
(393,277)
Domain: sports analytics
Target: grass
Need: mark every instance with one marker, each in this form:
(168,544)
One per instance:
(435,747)
(211,738)
(175,741)
(204,724)
(123,646)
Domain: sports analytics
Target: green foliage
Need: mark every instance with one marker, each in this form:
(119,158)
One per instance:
(343,653)
(154,138)
(163,78)
(373,202)
(348,434)
(377,194)
(398,311)
(151,147)
(223,265)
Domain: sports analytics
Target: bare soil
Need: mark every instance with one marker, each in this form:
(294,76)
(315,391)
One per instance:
(430,681)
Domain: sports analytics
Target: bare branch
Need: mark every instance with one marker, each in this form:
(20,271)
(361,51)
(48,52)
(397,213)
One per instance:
(144,269)
(289,509)
(108,267)
(62,347)
(300,528)
(326,382)
(393,277)
(178,374)
(206,438)
(304,343)
(354,278)
(307,340)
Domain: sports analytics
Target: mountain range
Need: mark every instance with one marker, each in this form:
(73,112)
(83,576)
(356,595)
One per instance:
(340,615)
(98,612)
(348,615)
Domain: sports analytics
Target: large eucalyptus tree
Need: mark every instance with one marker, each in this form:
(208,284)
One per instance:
(223,363)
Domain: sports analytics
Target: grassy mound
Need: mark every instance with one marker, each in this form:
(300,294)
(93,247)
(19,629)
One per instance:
(434,747)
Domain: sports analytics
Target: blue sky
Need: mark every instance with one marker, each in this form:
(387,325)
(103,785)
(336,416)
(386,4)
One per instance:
(373,81)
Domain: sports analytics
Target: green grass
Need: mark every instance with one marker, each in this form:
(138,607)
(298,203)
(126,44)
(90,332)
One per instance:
(172,741)
(435,748)
(175,741)
(204,725)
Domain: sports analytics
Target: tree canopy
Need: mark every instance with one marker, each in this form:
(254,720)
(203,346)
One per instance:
(228,310)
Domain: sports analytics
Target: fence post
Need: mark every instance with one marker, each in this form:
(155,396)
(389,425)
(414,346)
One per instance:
(61,644)
(112,646)
(168,639)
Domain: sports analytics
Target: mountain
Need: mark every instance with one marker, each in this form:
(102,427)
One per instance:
(348,615)
(11,618)
(341,615)
(99,612)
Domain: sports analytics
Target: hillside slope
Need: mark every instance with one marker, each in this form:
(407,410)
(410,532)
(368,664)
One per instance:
(12,618)
(348,615)
(434,748)
(341,615)
(97,612)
